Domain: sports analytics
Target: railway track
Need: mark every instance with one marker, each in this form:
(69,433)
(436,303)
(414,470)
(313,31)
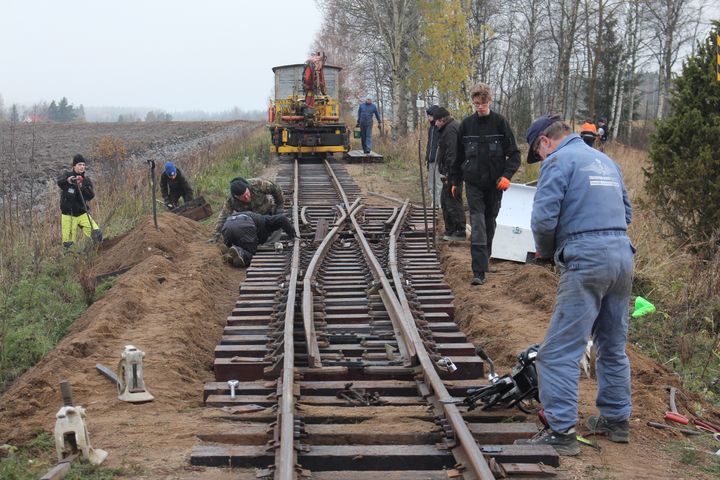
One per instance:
(344,359)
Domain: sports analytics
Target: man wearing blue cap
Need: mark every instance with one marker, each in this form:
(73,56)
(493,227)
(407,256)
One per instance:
(580,217)
(173,186)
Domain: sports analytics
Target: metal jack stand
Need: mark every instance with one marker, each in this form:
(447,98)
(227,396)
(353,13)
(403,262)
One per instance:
(131,387)
(71,435)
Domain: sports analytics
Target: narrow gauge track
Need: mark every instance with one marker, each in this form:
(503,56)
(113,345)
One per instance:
(347,360)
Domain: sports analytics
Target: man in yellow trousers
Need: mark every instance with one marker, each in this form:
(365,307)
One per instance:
(76,189)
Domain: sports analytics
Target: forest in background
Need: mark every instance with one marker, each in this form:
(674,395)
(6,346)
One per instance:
(608,59)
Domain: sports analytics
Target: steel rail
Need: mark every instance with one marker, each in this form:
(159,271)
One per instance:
(474,457)
(336,182)
(393,307)
(286,455)
(313,351)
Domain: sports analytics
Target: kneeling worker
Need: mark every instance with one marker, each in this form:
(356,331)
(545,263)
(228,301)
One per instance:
(243,232)
(173,186)
(76,189)
(254,195)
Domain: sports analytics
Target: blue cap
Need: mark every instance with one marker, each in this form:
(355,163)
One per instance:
(534,132)
(170,168)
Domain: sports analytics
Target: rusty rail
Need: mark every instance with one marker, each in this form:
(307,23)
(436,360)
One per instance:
(307,305)
(472,454)
(286,455)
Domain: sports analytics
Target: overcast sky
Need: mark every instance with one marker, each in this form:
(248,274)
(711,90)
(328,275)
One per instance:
(172,54)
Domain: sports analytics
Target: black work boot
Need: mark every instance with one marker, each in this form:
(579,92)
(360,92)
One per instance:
(237,259)
(563,443)
(616,431)
(478,279)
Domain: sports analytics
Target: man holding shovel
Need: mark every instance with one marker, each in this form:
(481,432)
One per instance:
(76,189)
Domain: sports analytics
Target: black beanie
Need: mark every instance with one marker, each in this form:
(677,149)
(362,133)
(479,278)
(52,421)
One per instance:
(238,185)
(440,113)
(78,159)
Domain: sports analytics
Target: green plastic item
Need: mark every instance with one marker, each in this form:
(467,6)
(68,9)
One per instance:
(642,307)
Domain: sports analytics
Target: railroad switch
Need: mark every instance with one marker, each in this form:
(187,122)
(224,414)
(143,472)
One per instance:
(131,386)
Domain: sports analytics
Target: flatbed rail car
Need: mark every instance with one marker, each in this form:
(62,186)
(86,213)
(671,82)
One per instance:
(304,115)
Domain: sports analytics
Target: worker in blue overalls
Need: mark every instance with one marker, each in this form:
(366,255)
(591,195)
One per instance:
(580,217)
(365,122)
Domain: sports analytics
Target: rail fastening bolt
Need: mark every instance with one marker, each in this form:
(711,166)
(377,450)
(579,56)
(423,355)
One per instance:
(233,385)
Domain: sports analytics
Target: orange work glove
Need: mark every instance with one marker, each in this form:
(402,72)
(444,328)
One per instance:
(503,184)
(453,189)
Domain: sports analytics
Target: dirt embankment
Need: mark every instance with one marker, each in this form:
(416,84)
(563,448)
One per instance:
(172,305)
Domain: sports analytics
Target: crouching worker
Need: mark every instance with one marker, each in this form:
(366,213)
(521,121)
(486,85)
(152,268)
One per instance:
(254,195)
(174,186)
(76,190)
(243,232)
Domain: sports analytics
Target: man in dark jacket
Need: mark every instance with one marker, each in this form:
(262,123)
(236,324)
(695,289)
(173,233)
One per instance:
(366,111)
(173,186)
(486,160)
(243,232)
(76,189)
(433,176)
(257,195)
(452,206)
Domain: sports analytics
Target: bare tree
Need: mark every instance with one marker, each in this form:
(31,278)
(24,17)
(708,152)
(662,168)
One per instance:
(671,23)
(385,27)
(563,23)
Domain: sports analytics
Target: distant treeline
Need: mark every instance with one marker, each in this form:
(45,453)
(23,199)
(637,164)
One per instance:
(64,112)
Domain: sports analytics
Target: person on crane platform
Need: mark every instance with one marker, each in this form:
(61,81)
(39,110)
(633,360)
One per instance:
(365,114)
(174,186)
(243,232)
(313,77)
(257,195)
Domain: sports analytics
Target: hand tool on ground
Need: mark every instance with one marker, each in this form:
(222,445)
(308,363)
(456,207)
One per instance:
(707,426)
(587,441)
(673,414)
(107,373)
(665,426)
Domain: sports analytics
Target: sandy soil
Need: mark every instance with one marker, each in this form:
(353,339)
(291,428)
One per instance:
(173,302)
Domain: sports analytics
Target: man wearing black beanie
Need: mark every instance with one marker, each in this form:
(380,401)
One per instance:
(76,189)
